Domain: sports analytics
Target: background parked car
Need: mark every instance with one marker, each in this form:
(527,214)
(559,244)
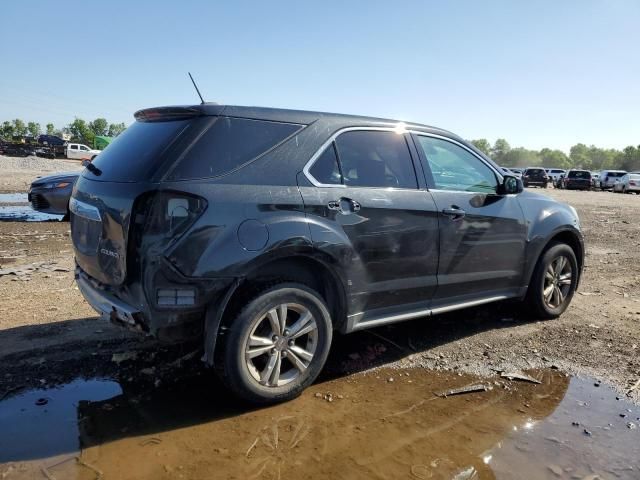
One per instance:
(577,180)
(628,183)
(511,172)
(79,151)
(607,179)
(51,194)
(554,174)
(535,177)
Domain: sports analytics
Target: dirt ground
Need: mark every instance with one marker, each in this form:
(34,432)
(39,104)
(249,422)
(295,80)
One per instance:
(78,395)
(17,173)
(43,316)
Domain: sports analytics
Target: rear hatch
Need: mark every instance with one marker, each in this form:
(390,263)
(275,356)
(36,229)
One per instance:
(103,199)
(147,177)
(579,178)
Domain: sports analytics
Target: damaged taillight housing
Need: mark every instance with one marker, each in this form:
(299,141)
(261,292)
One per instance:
(171,213)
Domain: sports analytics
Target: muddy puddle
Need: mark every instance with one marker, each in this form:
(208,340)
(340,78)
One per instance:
(13,198)
(388,424)
(24,213)
(14,207)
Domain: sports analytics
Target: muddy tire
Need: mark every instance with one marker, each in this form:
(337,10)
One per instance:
(553,283)
(277,345)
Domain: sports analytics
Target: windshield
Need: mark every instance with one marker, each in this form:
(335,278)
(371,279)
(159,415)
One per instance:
(133,155)
(579,174)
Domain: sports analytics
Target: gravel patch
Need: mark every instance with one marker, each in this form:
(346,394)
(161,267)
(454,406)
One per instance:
(18,172)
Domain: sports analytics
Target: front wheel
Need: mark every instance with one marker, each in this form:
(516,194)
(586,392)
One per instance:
(277,344)
(554,282)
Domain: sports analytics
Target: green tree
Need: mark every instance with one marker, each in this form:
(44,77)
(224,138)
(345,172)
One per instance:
(499,150)
(7,130)
(33,128)
(520,157)
(579,155)
(483,145)
(630,159)
(80,131)
(116,129)
(554,158)
(19,128)
(50,129)
(99,126)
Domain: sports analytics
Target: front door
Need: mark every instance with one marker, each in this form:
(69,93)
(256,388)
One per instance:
(482,234)
(366,209)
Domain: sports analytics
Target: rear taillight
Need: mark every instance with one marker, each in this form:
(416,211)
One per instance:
(632,183)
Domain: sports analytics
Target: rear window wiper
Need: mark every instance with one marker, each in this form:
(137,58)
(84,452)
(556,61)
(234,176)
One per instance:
(93,169)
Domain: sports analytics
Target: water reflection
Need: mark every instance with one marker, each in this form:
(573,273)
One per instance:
(387,424)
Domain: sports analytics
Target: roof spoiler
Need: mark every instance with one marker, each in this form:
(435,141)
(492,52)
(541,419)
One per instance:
(164,114)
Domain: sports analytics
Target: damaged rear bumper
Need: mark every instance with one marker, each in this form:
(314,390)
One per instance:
(108,306)
(131,308)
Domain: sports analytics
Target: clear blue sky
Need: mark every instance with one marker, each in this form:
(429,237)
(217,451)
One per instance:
(538,73)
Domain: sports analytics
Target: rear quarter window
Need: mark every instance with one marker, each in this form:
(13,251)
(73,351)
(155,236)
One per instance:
(228,143)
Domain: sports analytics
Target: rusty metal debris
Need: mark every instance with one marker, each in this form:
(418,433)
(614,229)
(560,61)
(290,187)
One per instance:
(523,377)
(479,387)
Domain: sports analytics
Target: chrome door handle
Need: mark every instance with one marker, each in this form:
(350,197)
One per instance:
(456,213)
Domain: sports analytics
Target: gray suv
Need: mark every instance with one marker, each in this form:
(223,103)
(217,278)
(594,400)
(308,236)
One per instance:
(264,232)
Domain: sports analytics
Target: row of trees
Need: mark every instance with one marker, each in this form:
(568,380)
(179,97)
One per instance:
(80,130)
(580,156)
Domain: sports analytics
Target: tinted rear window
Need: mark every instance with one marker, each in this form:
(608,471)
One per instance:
(136,151)
(615,174)
(579,175)
(535,171)
(228,143)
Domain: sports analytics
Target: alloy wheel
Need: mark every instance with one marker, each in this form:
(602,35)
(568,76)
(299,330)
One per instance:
(281,344)
(557,282)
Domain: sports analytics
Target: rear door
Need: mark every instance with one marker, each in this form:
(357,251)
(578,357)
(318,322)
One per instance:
(366,195)
(482,234)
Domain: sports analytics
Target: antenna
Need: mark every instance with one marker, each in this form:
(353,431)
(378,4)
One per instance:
(196,87)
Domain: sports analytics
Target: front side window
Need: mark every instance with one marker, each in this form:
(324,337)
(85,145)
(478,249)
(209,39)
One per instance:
(454,168)
(372,158)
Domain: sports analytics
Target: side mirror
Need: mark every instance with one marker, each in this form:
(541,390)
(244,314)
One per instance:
(510,185)
(85,163)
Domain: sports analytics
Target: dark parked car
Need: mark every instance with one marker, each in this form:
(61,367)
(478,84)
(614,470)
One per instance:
(51,140)
(535,177)
(577,180)
(264,231)
(51,194)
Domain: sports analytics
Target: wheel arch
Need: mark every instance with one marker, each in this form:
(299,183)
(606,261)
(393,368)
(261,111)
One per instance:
(568,236)
(313,271)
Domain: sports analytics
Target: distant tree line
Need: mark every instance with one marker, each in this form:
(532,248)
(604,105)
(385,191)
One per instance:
(580,156)
(80,130)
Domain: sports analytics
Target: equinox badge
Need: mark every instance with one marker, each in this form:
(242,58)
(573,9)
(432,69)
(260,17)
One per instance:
(109,253)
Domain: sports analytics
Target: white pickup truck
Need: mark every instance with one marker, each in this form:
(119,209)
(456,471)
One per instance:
(79,151)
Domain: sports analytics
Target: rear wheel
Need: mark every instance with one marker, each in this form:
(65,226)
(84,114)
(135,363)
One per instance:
(553,283)
(277,344)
